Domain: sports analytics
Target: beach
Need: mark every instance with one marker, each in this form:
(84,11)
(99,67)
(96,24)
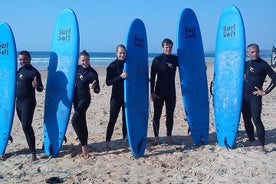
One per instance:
(179,162)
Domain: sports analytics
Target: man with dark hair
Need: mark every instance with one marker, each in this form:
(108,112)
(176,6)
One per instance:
(28,79)
(163,88)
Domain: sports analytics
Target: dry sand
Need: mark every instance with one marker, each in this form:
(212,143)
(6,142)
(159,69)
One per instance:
(180,162)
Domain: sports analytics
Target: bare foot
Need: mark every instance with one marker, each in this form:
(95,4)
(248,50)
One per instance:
(156,141)
(262,149)
(84,152)
(107,147)
(33,157)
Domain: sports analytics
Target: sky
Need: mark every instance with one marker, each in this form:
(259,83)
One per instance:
(103,24)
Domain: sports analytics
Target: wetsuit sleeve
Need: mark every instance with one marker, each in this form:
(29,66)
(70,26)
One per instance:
(270,87)
(97,86)
(153,73)
(177,64)
(39,82)
(272,84)
(112,76)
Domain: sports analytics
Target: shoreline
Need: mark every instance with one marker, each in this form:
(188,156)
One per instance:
(180,162)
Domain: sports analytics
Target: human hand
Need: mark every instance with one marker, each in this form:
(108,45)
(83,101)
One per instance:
(259,92)
(34,82)
(123,75)
(154,96)
(92,85)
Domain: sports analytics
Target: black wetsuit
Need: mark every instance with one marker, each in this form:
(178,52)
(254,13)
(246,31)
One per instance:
(82,99)
(114,70)
(26,102)
(164,67)
(255,74)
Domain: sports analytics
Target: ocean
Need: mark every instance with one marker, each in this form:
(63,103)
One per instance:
(40,59)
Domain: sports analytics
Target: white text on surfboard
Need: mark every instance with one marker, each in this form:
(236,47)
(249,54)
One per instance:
(64,34)
(229,31)
(4,48)
(139,42)
(190,33)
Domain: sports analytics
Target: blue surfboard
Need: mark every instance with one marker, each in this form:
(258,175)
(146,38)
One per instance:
(136,88)
(8,68)
(193,78)
(60,80)
(228,75)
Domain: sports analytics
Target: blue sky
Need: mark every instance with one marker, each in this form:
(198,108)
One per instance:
(104,23)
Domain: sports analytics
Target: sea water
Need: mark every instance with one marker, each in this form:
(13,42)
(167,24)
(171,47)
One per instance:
(40,59)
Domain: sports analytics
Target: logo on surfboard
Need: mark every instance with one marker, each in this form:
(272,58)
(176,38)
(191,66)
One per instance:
(139,42)
(190,32)
(4,48)
(229,31)
(64,34)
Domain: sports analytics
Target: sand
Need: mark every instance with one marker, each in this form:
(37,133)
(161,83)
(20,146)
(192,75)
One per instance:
(180,162)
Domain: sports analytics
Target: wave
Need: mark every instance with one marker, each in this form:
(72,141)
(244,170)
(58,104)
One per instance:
(40,59)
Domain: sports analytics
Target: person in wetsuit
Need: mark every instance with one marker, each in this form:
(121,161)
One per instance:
(28,79)
(115,76)
(256,70)
(163,88)
(87,78)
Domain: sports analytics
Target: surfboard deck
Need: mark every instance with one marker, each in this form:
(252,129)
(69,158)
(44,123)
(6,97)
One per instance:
(136,88)
(228,75)
(193,78)
(8,68)
(60,80)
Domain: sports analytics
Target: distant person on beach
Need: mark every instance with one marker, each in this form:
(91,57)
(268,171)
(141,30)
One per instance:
(28,79)
(256,70)
(162,88)
(115,76)
(87,78)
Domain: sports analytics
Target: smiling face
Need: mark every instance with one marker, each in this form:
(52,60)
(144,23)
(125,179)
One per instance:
(24,60)
(121,53)
(167,49)
(253,52)
(84,61)
(167,45)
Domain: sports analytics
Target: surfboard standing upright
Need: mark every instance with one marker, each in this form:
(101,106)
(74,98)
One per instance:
(60,81)
(136,88)
(8,68)
(228,75)
(193,78)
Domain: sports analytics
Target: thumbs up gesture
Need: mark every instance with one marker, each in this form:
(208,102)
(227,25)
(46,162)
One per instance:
(34,82)
(92,85)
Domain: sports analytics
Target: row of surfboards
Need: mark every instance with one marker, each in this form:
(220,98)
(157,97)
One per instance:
(228,76)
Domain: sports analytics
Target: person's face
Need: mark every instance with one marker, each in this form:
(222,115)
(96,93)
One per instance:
(121,54)
(24,60)
(167,49)
(253,53)
(84,61)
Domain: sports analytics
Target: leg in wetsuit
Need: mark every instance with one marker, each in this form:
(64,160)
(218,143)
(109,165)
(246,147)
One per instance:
(115,106)
(79,120)
(252,108)
(170,102)
(25,111)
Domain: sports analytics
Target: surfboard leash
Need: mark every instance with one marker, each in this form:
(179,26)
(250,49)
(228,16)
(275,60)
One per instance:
(226,144)
(211,90)
(11,139)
